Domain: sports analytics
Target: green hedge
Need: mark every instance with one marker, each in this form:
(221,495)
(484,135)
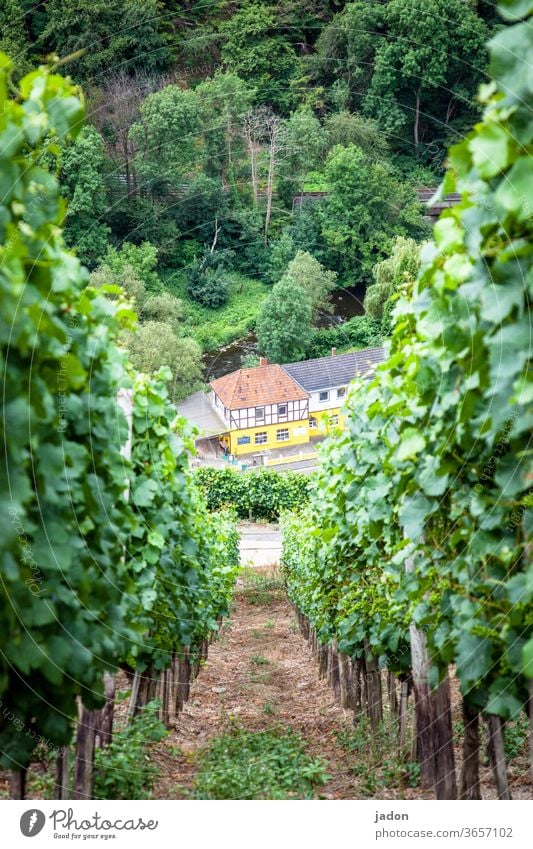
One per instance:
(258,495)
(359,332)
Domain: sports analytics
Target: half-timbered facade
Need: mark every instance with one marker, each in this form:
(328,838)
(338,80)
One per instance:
(272,406)
(263,408)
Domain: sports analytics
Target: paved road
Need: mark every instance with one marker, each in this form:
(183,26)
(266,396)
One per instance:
(260,544)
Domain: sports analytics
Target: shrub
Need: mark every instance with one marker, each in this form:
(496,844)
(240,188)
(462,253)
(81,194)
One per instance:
(208,281)
(260,495)
(269,764)
(359,332)
(122,770)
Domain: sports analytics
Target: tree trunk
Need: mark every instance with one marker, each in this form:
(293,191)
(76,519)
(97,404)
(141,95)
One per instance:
(417,119)
(375,697)
(61,784)
(270,191)
(497,756)
(469,788)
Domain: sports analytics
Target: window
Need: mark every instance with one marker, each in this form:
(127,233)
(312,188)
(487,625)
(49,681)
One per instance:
(282,409)
(341,392)
(282,434)
(259,414)
(323,396)
(261,437)
(333,420)
(313,424)
(243,440)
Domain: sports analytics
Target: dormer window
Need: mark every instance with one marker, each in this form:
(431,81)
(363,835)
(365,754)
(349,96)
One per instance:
(323,396)
(341,392)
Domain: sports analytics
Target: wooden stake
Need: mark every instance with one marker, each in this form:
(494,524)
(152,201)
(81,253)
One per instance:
(375,698)
(469,784)
(403,716)
(104,717)
(442,742)
(17,783)
(83,763)
(61,784)
(497,756)
(345,679)
(391,692)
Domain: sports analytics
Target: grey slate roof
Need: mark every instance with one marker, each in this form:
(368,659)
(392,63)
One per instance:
(338,370)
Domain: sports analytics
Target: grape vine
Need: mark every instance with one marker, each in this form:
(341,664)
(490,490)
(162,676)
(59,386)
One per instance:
(421,513)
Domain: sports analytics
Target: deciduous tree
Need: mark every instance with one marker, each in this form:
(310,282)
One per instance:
(284,324)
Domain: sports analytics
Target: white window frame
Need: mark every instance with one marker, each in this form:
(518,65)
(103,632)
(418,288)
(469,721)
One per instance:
(323,392)
(261,441)
(341,392)
(260,414)
(313,423)
(283,406)
(283,430)
(333,420)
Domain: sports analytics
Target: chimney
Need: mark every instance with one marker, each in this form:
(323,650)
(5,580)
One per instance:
(333,352)
(263,361)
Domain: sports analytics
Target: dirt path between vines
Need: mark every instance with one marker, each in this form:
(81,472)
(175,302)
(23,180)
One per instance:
(260,673)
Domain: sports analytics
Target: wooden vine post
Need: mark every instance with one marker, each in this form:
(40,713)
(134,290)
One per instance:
(469,785)
(433,723)
(496,751)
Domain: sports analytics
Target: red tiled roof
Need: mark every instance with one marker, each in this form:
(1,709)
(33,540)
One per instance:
(253,387)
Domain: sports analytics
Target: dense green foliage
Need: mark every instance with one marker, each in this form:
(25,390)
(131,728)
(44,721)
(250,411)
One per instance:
(269,764)
(65,614)
(390,276)
(82,184)
(70,596)
(266,101)
(359,332)
(123,768)
(284,328)
(367,206)
(260,495)
(435,466)
(183,559)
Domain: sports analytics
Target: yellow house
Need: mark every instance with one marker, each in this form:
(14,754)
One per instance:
(263,408)
(273,406)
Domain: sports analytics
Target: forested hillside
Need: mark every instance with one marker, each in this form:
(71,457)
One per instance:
(207,120)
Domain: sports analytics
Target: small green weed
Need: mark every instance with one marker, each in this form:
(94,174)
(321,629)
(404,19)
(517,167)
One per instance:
(259,588)
(515,737)
(269,708)
(259,660)
(123,770)
(375,761)
(269,764)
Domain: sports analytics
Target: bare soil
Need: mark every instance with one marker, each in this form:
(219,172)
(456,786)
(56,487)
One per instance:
(261,673)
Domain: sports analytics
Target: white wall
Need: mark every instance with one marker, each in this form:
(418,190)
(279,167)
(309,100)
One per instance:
(316,406)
